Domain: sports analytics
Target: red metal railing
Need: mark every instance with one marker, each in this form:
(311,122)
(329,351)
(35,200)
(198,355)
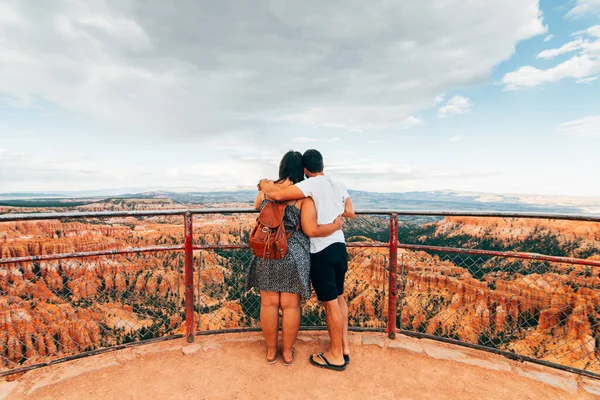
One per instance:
(393,285)
(394,308)
(189,278)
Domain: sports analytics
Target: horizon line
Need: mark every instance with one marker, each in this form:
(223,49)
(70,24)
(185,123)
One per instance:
(242,188)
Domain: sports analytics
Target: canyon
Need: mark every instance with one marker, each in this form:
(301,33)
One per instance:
(53,309)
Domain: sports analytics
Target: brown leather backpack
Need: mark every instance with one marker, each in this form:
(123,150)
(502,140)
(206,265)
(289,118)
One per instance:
(268,239)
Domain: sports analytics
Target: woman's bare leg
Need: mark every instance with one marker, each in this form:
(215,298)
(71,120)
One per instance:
(290,306)
(269,321)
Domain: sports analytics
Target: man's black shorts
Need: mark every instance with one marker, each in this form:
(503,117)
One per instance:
(327,271)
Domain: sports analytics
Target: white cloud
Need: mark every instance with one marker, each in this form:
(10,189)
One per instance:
(35,173)
(22,101)
(567,48)
(303,139)
(397,177)
(584,127)
(593,31)
(355,118)
(548,38)
(26,172)
(582,67)
(9,15)
(583,7)
(207,67)
(587,80)
(456,138)
(457,105)
(377,141)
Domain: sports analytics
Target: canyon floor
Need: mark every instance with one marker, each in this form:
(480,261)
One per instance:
(232,366)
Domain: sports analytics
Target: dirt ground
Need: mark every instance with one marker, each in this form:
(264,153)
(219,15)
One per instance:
(233,367)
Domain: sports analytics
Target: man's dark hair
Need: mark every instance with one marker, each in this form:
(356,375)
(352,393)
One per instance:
(291,167)
(313,161)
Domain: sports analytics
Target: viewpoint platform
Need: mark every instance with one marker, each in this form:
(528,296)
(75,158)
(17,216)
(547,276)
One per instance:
(232,366)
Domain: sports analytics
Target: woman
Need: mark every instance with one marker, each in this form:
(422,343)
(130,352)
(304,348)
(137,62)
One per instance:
(282,283)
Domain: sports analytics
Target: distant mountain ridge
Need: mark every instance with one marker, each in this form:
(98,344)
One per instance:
(418,200)
(470,201)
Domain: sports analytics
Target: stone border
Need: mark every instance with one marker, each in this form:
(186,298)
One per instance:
(569,382)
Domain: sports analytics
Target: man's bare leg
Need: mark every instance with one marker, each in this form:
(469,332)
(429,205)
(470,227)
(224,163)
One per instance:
(344,311)
(269,321)
(335,327)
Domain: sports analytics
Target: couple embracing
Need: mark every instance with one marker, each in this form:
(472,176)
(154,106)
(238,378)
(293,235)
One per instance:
(316,254)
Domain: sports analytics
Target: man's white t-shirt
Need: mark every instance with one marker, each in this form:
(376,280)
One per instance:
(330,201)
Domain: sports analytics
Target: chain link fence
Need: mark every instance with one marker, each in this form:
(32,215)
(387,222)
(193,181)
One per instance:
(544,310)
(54,309)
(60,308)
(222,302)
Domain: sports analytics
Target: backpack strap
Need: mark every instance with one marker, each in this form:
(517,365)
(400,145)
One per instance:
(296,229)
(271,215)
(289,235)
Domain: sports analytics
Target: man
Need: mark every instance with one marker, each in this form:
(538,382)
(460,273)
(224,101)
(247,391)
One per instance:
(329,259)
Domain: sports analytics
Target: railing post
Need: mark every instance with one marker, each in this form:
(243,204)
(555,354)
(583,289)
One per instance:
(393,289)
(189,278)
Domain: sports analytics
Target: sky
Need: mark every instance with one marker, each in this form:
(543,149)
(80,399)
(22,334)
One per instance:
(497,96)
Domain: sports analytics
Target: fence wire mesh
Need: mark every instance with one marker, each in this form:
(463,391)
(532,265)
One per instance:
(222,301)
(547,311)
(55,309)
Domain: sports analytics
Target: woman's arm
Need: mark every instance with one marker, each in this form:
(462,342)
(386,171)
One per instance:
(308,218)
(258,200)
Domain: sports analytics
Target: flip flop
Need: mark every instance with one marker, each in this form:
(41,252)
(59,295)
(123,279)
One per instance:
(347,359)
(327,364)
(273,361)
(287,364)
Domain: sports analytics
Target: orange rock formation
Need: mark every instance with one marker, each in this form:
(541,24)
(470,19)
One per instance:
(56,308)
